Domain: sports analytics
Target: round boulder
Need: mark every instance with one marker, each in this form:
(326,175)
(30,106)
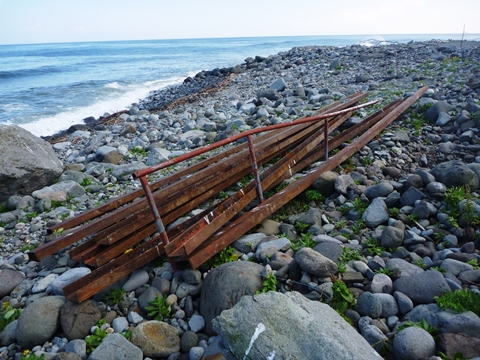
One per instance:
(224,286)
(413,343)
(39,321)
(156,339)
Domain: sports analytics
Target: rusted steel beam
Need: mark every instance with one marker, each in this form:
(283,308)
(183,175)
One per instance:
(192,237)
(241,225)
(87,286)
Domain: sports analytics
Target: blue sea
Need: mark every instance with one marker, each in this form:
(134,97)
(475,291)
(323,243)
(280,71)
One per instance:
(46,88)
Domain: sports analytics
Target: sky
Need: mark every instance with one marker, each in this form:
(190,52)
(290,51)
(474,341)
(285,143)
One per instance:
(50,21)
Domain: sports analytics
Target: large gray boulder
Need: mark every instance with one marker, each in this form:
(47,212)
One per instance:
(27,163)
(39,321)
(275,325)
(455,173)
(225,285)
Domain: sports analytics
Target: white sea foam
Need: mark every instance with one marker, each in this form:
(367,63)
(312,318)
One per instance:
(113,85)
(63,120)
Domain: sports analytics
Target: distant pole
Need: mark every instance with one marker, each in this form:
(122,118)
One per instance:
(461,43)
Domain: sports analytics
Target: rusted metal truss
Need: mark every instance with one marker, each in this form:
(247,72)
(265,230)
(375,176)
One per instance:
(128,232)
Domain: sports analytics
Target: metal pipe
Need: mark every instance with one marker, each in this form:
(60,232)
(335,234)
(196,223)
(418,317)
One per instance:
(325,139)
(258,182)
(153,207)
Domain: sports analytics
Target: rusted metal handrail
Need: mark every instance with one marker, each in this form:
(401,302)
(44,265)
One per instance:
(142,174)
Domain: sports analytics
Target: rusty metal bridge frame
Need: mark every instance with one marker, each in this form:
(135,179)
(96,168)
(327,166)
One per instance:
(128,232)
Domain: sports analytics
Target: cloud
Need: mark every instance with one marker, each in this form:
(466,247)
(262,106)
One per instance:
(38,28)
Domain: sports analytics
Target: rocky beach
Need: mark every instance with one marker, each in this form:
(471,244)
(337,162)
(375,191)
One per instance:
(381,239)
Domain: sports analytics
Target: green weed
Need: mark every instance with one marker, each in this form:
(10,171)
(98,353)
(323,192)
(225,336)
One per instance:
(460,301)
(269,284)
(8,314)
(158,308)
(113,296)
(422,325)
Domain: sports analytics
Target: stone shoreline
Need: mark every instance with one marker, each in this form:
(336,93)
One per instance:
(406,171)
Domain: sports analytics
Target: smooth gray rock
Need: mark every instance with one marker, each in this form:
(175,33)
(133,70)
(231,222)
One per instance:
(392,237)
(421,288)
(9,334)
(383,189)
(248,243)
(343,184)
(329,249)
(402,268)
(325,183)
(410,196)
(315,263)
(67,278)
(278,85)
(223,287)
(271,323)
(156,339)
(39,321)
(368,305)
(196,323)
(455,267)
(148,295)
(389,305)
(79,347)
(137,278)
(446,321)
(405,304)
(9,280)
(116,347)
(455,173)
(27,163)
(413,343)
(434,111)
(76,320)
(376,213)
(381,283)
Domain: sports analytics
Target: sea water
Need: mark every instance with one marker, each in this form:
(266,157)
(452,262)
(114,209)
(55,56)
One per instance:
(46,88)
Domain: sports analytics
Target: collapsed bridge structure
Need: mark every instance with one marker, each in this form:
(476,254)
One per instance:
(128,232)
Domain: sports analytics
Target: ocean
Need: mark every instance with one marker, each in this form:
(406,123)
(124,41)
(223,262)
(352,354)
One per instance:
(46,88)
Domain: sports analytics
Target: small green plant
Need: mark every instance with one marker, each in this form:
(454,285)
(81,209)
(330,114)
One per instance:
(460,301)
(127,334)
(358,227)
(386,271)
(438,268)
(223,195)
(246,180)
(359,206)
(340,224)
(58,232)
(474,263)
(457,356)
(226,255)
(28,247)
(304,240)
(57,203)
(27,355)
(113,296)
(281,186)
(412,217)
(31,215)
(419,263)
(342,298)
(314,195)
(86,182)
(422,325)
(367,160)
(301,227)
(138,151)
(372,246)
(349,254)
(269,284)
(3,209)
(8,314)
(158,308)
(95,339)
(394,212)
